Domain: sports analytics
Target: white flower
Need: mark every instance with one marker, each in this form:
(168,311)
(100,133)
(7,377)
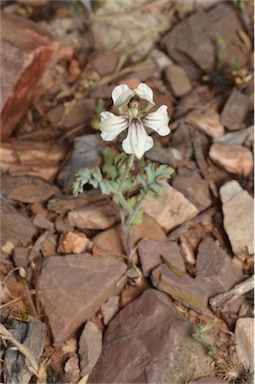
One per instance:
(134,117)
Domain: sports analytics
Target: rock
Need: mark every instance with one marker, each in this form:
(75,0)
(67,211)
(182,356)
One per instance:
(157,345)
(63,203)
(72,370)
(49,246)
(110,308)
(42,159)
(244,339)
(27,189)
(161,59)
(81,111)
(237,207)
(150,252)
(192,42)
(196,191)
(196,96)
(235,111)
(41,222)
(159,99)
(26,52)
(16,227)
(66,277)
(169,155)
(20,257)
(173,210)
(101,215)
(232,157)
(208,122)
(105,62)
(90,347)
(238,137)
(216,273)
(178,81)
(208,380)
(73,242)
(112,241)
(86,154)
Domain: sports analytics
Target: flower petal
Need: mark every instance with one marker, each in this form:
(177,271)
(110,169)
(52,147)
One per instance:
(137,140)
(158,121)
(145,93)
(122,95)
(111,125)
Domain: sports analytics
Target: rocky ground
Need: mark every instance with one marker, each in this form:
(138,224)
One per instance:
(73,311)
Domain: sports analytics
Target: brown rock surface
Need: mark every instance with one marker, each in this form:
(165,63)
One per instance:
(15,226)
(208,122)
(235,111)
(232,157)
(25,51)
(178,80)
(42,159)
(105,62)
(27,189)
(41,221)
(148,342)
(90,347)
(73,242)
(192,42)
(73,287)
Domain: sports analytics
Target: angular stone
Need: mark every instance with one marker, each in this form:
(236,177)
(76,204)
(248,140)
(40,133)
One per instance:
(112,241)
(235,111)
(192,42)
(20,257)
(62,281)
(26,49)
(244,340)
(63,203)
(81,111)
(100,215)
(238,221)
(73,242)
(208,122)
(105,62)
(27,189)
(16,227)
(232,157)
(196,191)
(196,96)
(173,210)
(42,159)
(169,155)
(178,80)
(86,154)
(157,345)
(110,308)
(41,222)
(150,252)
(72,370)
(90,347)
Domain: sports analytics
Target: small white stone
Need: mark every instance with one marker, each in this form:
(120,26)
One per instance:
(244,338)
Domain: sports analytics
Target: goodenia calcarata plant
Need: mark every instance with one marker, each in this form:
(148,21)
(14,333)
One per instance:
(122,176)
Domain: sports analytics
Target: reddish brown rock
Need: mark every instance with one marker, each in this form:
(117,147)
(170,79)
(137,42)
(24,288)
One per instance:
(26,49)
(73,242)
(178,80)
(41,221)
(27,189)
(151,251)
(63,203)
(73,287)
(157,345)
(235,111)
(192,42)
(90,347)
(105,62)
(81,111)
(16,227)
(233,158)
(42,159)
(208,122)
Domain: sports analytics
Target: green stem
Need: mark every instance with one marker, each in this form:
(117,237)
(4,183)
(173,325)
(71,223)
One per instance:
(135,210)
(125,174)
(122,200)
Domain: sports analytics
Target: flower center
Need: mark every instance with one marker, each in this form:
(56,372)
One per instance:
(133,108)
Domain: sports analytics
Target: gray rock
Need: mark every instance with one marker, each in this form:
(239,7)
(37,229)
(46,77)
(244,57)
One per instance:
(149,342)
(41,221)
(73,287)
(238,137)
(238,208)
(170,155)
(150,252)
(90,347)
(178,80)
(244,338)
(110,308)
(235,111)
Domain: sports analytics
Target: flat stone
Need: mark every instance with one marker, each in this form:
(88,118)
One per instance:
(110,308)
(170,155)
(26,51)
(81,111)
(90,347)
(196,191)
(20,257)
(232,157)
(73,242)
(64,203)
(112,241)
(64,278)
(178,80)
(208,122)
(238,208)
(235,111)
(105,62)
(192,42)
(100,215)
(196,96)
(157,345)
(244,340)
(42,222)
(86,154)
(150,252)
(42,159)
(238,137)
(16,227)
(173,210)
(27,189)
